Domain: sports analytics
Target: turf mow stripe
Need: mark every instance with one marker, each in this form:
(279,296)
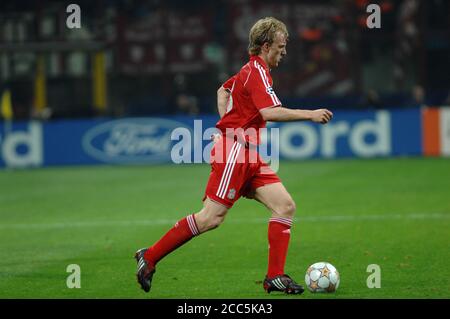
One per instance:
(158,222)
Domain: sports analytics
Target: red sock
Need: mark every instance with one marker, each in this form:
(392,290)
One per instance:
(279,235)
(179,234)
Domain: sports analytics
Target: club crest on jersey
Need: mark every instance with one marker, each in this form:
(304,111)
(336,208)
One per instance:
(231,193)
(270,90)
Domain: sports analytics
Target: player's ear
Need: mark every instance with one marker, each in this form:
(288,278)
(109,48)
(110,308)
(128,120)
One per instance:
(265,47)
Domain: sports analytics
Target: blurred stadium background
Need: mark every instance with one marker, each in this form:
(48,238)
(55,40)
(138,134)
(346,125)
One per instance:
(141,58)
(76,102)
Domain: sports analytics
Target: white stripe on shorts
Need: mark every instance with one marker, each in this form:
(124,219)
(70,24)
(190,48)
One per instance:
(228,172)
(233,148)
(227,183)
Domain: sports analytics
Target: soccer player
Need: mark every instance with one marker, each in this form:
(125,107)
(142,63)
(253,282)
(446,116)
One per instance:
(245,102)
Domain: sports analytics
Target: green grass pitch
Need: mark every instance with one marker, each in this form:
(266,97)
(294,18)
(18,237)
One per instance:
(351,213)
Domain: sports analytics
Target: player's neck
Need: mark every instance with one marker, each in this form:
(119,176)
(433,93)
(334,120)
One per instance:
(263,57)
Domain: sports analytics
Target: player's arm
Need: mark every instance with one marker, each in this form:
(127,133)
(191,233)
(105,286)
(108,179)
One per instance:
(282,114)
(270,107)
(222,100)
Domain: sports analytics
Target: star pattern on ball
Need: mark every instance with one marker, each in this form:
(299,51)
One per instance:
(331,288)
(322,277)
(325,271)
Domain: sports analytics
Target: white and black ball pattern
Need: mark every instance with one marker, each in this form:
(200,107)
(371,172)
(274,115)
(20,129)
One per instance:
(322,277)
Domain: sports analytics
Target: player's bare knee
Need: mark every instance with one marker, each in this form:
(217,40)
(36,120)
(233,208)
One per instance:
(290,209)
(286,210)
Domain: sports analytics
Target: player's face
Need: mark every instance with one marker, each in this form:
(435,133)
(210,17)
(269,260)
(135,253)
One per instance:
(277,50)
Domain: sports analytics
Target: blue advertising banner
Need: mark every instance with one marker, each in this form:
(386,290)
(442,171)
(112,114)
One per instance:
(184,139)
(353,134)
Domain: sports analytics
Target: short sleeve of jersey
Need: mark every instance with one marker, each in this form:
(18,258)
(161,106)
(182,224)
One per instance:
(228,85)
(260,89)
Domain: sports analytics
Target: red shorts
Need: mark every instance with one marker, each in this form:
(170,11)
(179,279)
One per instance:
(236,170)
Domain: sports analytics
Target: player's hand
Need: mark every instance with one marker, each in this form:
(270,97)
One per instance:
(322,116)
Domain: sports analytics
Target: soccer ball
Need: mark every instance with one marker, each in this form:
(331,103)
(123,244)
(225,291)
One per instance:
(322,277)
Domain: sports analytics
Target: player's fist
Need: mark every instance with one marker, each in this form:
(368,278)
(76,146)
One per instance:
(322,116)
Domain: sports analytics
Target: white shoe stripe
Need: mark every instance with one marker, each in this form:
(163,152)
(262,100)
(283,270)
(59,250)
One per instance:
(280,283)
(277,284)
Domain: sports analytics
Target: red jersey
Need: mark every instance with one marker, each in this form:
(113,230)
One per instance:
(251,90)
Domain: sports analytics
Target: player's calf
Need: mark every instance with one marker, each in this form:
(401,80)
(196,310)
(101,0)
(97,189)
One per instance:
(211,216)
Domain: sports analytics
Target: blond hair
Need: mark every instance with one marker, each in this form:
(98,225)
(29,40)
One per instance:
(263,31)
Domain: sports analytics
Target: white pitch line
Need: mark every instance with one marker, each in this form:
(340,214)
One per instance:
(156,222)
